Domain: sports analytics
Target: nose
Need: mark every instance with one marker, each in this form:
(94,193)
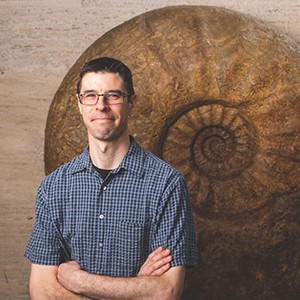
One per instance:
(101,104)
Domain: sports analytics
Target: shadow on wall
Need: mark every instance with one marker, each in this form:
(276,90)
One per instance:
(219,100)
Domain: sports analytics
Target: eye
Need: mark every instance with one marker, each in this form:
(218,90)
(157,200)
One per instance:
(89,95)
(113,96)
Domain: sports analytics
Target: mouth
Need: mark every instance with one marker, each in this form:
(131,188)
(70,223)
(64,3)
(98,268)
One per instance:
(103,119)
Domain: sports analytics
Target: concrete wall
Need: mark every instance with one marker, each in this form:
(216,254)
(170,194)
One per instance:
(39,41)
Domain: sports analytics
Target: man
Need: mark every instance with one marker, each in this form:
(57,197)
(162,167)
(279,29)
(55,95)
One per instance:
(115,222)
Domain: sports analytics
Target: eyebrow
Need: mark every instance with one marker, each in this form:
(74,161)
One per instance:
(89,91)
(110,91)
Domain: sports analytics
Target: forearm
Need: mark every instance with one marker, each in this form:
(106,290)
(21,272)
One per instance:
(53,292)
(43,285)
(141,287)
(102,287)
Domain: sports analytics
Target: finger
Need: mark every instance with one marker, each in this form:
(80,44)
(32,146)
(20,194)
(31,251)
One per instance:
(161,262)
(155,252)
(161,258)
(158,258)
(162,270)
(154,256)
(150,267)
(158,255)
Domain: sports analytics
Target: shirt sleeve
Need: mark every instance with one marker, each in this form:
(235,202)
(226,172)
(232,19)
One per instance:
(174,226)
(43,246)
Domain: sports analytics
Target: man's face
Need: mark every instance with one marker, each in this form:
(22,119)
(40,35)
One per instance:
(105,122)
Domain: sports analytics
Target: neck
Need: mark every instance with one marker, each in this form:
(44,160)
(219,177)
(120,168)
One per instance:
(108,155)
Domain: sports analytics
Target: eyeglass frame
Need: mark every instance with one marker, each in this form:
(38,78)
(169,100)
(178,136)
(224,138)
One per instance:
(105,95)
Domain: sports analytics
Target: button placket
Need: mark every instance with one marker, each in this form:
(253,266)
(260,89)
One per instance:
(101,219)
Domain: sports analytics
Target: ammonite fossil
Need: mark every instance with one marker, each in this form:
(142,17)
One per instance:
(219,96)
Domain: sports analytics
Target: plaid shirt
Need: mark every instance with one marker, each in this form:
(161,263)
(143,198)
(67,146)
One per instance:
(111,226)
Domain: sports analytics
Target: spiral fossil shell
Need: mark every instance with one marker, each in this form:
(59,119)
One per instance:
(219,96)
(212,141)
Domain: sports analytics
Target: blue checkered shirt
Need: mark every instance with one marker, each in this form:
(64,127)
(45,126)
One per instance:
(111,226)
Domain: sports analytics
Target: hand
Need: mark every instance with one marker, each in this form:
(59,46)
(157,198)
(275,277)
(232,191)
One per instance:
(157,263)
(68,275)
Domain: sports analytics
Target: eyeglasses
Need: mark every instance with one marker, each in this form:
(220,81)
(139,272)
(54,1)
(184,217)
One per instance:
(110,98)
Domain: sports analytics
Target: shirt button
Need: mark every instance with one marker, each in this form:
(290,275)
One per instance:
(101,217)
(101,245)
(104,188)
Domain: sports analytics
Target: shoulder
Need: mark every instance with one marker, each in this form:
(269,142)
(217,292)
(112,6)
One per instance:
(157,163)
(66,170)
(160,169)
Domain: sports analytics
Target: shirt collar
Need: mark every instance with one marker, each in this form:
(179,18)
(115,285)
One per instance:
(82,162)
(133,160)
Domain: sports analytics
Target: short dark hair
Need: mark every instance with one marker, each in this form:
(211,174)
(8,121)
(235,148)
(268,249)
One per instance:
(108,65)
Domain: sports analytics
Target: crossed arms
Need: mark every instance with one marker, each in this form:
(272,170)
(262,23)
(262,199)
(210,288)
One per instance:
(155,280)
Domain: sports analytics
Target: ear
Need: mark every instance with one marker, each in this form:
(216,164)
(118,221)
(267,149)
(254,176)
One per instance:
(79,105)
(132,102)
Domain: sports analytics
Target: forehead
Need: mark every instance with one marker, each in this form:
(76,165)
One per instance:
(102,81)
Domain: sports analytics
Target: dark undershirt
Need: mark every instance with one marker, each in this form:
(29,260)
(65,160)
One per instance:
(103,173)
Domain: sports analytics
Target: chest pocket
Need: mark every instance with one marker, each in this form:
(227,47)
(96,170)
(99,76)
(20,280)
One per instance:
(129,245)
